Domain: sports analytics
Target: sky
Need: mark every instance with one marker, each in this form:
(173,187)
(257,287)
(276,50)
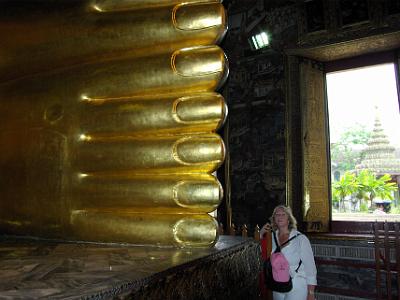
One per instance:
(354,94)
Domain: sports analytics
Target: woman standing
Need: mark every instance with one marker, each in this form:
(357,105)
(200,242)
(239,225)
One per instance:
(298,253)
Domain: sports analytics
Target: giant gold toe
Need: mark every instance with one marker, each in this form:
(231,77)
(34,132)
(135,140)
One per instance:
(109,117)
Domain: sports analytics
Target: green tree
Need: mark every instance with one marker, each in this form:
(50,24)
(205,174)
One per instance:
(343,151)
(384,188)
(346,186)
(363,179)
(374,186)
(335,198)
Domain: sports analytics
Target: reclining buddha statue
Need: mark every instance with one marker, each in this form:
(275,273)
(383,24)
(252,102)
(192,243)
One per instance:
(109,112)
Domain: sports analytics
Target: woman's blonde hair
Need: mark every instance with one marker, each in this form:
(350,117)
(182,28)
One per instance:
(288,212)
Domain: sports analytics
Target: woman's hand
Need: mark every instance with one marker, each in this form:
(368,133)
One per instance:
(310,292)
(310,297)
(264,229)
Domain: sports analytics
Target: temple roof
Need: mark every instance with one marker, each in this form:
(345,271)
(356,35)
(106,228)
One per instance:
(380,156)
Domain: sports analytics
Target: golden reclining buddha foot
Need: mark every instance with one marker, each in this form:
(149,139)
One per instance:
(109,117)
(52,34)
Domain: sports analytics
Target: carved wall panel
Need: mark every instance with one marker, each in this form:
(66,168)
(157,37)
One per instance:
(314,141)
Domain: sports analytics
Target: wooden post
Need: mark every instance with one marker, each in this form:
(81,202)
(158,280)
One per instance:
(220,229)
(387,262)
(244,230)
(257,233)
(377,262)
(232,230)
(397,245)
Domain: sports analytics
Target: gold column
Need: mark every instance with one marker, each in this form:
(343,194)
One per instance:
(109,111)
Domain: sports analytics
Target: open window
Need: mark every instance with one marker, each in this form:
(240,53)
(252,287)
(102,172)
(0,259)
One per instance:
(310,175)
(364,139)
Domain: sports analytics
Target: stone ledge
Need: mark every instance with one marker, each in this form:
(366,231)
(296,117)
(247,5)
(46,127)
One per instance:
(33,269)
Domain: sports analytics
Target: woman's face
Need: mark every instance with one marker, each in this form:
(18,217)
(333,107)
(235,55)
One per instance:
(281,218)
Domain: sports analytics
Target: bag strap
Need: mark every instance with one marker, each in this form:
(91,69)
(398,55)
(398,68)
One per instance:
(293,237)
(298,267)
(278,247)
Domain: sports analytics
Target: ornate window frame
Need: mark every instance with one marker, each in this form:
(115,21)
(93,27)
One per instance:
(307,135)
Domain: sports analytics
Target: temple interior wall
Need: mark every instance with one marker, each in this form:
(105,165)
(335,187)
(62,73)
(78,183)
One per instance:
(262,95)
